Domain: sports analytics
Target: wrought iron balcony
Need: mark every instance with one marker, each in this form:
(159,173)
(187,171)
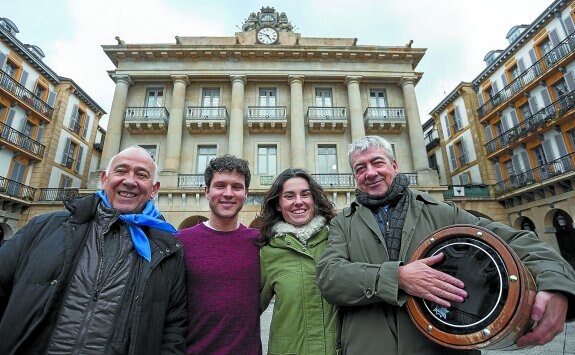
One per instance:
(542,66)
(146,120)
(202,119)
(467,191)
(541,118)
(20,92)
(267,119)
(431,140)
(555,168)
(191,181)
(15,189)
(384,120)
(326,119)
(21,142)
(57,194)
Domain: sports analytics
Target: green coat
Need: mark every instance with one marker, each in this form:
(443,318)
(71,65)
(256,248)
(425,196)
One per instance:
(356,274)
(302,321)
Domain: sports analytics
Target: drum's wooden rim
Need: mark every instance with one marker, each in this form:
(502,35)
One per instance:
(509,323)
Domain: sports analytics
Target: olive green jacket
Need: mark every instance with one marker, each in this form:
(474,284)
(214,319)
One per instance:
(302,321)
(355,273)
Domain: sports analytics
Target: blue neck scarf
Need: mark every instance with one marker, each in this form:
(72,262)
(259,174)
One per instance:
(148,217)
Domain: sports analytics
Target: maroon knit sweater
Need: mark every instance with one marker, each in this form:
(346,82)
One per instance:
(223,279)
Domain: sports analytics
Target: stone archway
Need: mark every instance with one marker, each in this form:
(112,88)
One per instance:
(192,221)
(565,234)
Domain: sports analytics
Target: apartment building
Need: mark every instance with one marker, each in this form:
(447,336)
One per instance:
(521,128)
(47,131)
(266,94)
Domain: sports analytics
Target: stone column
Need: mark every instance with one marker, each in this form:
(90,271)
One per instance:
(236,136)
(115,119)
(175,126)
(425,175)
(355,114)
(297,123)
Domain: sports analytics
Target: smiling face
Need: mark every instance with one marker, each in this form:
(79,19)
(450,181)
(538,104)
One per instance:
(226,196)
(296,202)
(373,170)
(129,182)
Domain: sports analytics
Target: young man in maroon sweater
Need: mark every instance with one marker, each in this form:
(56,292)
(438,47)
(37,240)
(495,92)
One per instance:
(222,267)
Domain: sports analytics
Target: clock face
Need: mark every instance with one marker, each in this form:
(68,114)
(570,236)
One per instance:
(267,35)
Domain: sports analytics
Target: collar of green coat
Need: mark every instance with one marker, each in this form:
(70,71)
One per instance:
(303,233)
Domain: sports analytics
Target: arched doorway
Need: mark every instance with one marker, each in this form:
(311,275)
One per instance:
(565,234)
(192,221)
(528,225)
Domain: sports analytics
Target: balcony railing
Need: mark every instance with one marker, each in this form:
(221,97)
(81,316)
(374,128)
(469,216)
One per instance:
(431,140)
(540,119)
(22,141)
(563,49)
(146,114)
(15,189)
(555,168)
(191,181)
(57,194)
(25,95)
(326,113)
(384,113)
(267,112)
(334,180)
(468,191)
(207,113)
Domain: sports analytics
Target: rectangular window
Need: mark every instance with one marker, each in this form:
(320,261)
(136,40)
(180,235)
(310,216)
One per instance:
(77,119)
(267,159)
(461,154)
(152,150)
(205,154)
(525,112)
(65,182)
(327,159)
(210,98)
(72,155)
(267,97)
(323,97)
(377,98)
(155,97)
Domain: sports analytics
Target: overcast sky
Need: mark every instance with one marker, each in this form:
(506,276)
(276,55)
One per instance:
(456,33)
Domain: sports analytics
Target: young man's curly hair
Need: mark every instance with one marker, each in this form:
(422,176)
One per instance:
(227,163)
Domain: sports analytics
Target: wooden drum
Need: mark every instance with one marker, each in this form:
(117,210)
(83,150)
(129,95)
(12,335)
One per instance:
(501,291)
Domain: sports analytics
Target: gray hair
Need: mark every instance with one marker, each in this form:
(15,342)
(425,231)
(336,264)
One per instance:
(136,147)
(364,143)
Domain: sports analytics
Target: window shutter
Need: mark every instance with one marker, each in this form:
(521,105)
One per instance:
(86,126)
(516,165)
(569,26)
(545,96)
(23,78)
(504,123)
(521,65)
(452,158)
(498,174)
(446,128)
(464,179)
(533,56)
(570,79)
(51,98)
(79,159)
(494,87)
(533,105)
(560,145)
(488,133)
(73,118)
(457,116)
(547,150)
(504,79)
(554,37)
(514,119)
(39,132)
(526,162)
(480,98)
(66,150)
(2,60)
(10,117)
(464,157)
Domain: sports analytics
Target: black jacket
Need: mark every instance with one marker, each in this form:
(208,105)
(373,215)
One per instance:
(35,266)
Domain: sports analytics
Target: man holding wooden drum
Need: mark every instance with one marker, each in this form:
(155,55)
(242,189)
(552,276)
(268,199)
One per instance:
(365,267)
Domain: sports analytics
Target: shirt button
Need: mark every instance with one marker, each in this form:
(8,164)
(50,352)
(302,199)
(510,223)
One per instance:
(368,292)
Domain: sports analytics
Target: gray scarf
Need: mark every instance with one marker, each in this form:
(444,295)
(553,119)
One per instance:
(391,221)
(302,233)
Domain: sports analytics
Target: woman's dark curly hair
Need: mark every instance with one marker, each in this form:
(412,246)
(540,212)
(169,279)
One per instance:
(270,213)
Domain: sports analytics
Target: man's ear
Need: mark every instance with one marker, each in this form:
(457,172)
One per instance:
(155,189)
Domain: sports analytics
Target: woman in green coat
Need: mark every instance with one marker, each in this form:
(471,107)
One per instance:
(294,230)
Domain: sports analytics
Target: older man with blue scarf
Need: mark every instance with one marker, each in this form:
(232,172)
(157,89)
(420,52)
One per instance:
(104,277)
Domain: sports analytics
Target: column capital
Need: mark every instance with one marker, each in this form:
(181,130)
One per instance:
(296,78)
(122,78)
(406,80)
(181,78)
(352,80)
(238,78)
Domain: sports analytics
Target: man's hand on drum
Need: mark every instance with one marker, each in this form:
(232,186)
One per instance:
(549,311)
(419,279)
